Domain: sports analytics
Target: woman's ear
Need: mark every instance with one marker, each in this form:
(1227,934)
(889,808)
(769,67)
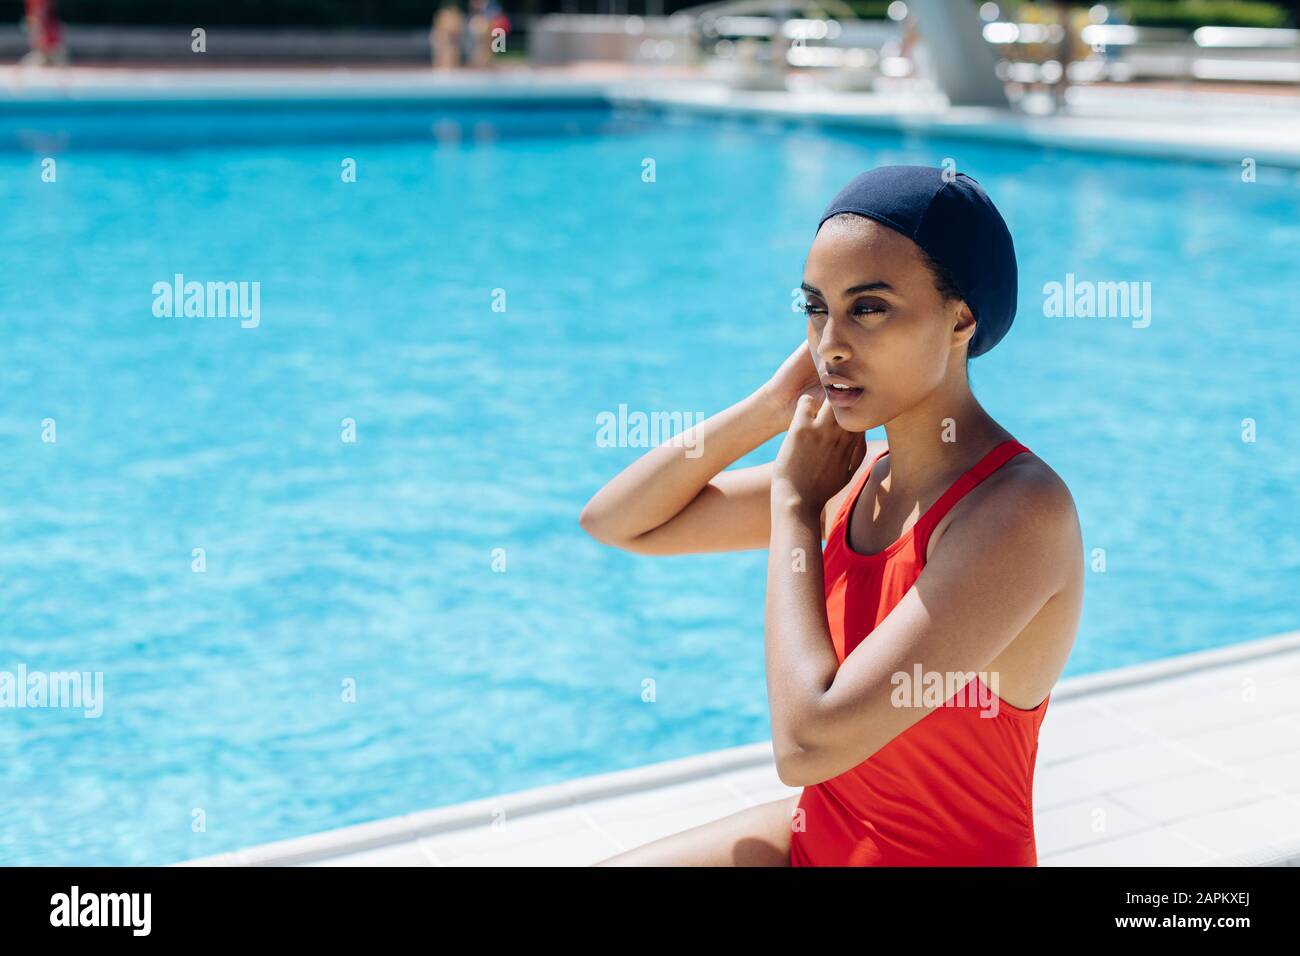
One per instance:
(963,323)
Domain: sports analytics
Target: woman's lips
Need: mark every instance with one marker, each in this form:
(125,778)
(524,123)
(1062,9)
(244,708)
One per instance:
(842,396)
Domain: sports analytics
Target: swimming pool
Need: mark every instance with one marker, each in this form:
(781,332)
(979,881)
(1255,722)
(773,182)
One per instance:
(435,564)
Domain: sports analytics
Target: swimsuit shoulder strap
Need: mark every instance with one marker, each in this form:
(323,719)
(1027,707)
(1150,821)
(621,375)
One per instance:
(995,459)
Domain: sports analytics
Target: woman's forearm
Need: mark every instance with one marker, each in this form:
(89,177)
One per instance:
(800,659)
(658,485)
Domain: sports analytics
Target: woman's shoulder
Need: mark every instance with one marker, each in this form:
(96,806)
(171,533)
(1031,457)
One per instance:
(1027,494)
(1028,491)
(1034,484)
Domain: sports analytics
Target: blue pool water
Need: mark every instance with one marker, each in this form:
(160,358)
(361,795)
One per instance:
(372,562)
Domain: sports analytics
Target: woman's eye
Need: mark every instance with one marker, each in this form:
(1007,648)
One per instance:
(865,308)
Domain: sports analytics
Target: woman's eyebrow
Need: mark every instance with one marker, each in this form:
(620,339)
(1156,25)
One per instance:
(852,290)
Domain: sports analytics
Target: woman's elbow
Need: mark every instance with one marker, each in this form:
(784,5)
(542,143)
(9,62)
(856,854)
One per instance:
(810,756)
(793,772)
(593,522)
(786,775)
(795,766)
(589,520)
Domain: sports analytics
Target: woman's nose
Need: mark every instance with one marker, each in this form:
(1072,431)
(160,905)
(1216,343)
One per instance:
(832,348)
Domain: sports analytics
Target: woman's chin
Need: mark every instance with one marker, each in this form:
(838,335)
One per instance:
(853,418)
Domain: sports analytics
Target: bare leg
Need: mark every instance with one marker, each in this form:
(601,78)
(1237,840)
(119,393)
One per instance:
(755,836)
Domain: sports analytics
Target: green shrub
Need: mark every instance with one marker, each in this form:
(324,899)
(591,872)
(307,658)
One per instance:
(1191,14)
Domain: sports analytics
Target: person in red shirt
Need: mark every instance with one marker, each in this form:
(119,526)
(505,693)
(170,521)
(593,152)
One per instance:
(45,34)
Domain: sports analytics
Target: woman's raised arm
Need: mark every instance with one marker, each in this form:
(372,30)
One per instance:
(666,502)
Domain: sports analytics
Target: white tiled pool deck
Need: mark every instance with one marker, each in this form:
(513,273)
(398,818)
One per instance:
(1192,760)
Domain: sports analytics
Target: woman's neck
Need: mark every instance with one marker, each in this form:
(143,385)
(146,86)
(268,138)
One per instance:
(947,432)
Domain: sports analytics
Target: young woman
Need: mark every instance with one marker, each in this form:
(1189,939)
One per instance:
(923,593)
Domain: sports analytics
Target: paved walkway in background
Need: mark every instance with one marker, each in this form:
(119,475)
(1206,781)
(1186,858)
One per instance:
(1156,121)
(1192,760)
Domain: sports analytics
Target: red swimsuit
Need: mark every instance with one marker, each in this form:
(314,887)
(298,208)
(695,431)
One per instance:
(955,788)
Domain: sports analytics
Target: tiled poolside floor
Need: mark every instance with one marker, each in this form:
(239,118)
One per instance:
(1193,760)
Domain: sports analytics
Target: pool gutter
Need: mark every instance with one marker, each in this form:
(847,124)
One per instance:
(1191,126)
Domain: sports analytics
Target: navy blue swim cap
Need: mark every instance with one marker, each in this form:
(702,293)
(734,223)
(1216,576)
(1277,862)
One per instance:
(956,225)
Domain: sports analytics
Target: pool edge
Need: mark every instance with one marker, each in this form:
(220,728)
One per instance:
(568,794)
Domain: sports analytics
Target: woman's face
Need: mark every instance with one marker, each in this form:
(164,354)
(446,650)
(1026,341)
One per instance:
(877,323)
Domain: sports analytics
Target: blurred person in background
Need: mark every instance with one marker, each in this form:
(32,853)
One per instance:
(446,36)
(498,20)
(486,16)
(907,45)
(45,35)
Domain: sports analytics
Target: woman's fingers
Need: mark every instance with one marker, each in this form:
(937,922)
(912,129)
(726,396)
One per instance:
(854,443)
(820,419)
(824,414)
(803,411)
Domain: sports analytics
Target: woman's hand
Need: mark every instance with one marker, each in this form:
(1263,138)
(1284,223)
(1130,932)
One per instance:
(796,377)
(816,460)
